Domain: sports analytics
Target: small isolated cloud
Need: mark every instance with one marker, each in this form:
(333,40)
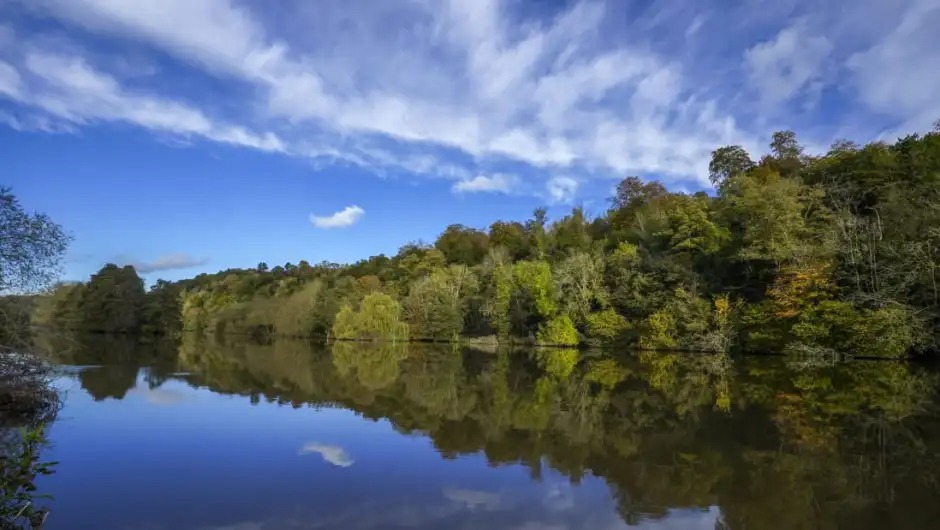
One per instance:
(343,218)
(168,262)
(333,454)
(561,189)
(481,184)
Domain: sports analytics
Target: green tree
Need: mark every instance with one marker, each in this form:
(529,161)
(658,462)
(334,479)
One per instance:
(512,237)
(579,282)
(113,299)
(377,319)
(558,331)
(463,245)
(772,214)
(534,297)
(498,273)
(430,313)
(728,161)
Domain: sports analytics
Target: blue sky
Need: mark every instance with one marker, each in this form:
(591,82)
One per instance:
(194,135)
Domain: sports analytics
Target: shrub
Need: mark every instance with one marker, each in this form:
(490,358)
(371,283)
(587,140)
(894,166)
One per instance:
(378,318)
(606,326)
(559,331)
(886,332)
(19,467)
(660,333)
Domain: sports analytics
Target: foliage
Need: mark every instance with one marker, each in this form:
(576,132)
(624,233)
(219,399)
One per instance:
(377,319)
(431,311)
(534,290)
(886,332)
(559,331)
(720,335)
(606,327)
(660,332)
(498,292)
(770,211)
(579,281)
(31,246)
(19,467)
(460,244)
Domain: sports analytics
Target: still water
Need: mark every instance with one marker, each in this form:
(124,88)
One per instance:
(209,435)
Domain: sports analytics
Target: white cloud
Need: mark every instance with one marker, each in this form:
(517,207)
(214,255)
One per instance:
(333,454)
(343,218)
(900,75)
(167,262)
(68,88)
(534,95)
(481,183)
(561,189)
(458,89)
(781,68)
(10,83)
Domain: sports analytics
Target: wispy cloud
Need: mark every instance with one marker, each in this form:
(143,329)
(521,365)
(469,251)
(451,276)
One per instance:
(481,183)
(561,189)
(782,68)
(168,262)
(333,454)
(341,219)
(459,89)
(66,87)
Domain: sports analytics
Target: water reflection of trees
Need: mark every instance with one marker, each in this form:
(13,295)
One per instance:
(111,363)
(774,445)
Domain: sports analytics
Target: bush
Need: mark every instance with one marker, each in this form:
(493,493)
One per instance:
(559,331)
(344,325)
(378,318)
(660,333)
(19,467)
(606,326)
(26,396)
(887,332)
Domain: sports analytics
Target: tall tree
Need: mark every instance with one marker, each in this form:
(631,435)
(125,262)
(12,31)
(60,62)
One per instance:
(113,299)
(727,162)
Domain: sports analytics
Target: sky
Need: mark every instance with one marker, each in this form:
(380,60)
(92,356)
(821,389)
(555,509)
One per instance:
(187,136)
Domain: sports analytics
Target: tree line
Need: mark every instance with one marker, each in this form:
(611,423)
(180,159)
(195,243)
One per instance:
(822,254)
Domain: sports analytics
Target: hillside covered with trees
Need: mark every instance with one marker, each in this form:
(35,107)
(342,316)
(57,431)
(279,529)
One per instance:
(794,252)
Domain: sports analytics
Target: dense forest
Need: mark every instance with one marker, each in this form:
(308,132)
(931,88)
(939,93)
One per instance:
(813,254)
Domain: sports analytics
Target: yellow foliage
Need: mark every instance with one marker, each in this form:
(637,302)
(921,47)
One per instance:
(799,287)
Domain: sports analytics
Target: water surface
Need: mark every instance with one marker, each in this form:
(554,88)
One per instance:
(237,435)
